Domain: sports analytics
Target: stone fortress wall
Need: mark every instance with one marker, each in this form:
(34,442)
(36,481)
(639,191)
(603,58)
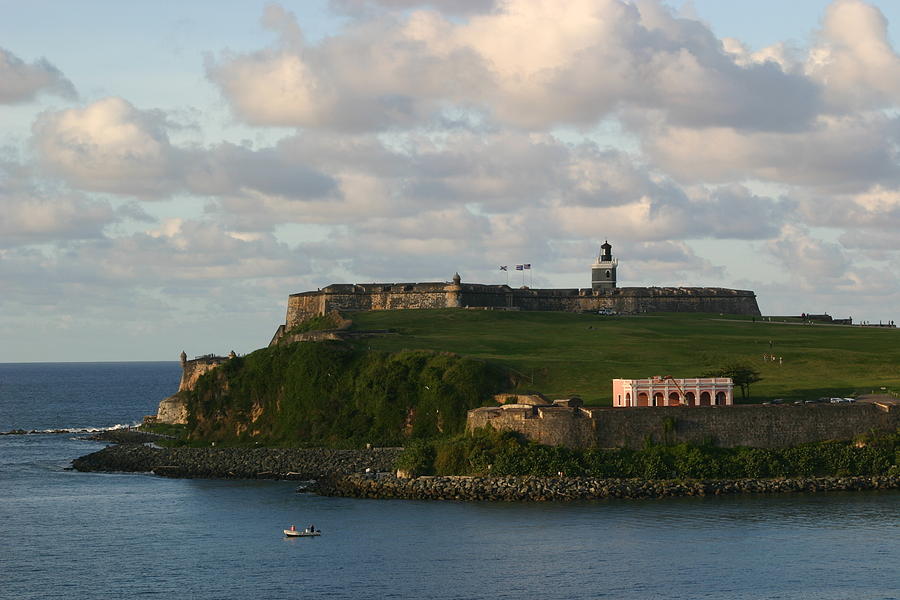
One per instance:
(173,410)
(753,425)
(629,300)
(603,294)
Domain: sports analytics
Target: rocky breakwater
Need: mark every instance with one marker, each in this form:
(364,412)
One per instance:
(237,463)
(540,489)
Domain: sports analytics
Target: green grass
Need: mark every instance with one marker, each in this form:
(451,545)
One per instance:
(561,354)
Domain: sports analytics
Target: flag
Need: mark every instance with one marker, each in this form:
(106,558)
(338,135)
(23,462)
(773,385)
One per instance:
(527,266)
(519,267)
(503,268)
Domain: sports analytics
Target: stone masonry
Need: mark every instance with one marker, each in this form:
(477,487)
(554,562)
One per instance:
(755,425)
(455,294)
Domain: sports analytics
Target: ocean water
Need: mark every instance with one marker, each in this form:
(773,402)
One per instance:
(65,534)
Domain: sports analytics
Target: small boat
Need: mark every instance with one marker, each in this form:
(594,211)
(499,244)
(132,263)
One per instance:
(308,532)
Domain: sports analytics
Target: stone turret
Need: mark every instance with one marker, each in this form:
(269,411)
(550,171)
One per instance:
(603,271)
(454,292)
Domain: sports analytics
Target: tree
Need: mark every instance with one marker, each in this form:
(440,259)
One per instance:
(742,375)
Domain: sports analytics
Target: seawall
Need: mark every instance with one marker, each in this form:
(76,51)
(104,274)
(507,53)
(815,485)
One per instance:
(237,463)
(758,426)
(543,489)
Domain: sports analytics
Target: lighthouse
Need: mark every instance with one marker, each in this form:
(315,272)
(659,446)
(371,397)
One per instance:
(603,271)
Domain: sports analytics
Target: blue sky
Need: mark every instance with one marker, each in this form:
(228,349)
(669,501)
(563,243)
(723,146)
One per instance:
(170,172)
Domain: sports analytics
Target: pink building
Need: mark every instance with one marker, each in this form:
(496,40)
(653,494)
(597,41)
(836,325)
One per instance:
(667,391)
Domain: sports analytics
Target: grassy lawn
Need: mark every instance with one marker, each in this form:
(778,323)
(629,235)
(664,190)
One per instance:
(559,354)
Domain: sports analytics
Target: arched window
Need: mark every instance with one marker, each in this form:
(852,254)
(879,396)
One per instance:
(690,399)
(704,398)
(720,398)
(658,399)
(643,400)
(674,400)
(628,399)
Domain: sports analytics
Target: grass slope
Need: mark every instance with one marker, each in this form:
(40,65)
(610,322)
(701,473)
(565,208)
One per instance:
(564,353)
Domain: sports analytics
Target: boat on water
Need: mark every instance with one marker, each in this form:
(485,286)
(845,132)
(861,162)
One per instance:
(308,532)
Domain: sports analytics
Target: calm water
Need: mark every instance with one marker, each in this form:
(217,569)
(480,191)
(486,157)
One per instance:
(65,534)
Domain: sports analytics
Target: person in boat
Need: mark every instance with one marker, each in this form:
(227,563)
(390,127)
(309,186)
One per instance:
(311,528)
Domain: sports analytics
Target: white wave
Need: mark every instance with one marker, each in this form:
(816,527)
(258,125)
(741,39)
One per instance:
(87,429)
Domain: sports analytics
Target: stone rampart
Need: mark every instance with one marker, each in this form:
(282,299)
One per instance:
(173,410)
(759,426)
(633,300)
(192,370)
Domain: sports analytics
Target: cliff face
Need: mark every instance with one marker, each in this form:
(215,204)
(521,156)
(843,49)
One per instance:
(174,410)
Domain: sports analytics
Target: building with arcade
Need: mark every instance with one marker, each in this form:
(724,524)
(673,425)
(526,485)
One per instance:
(669,391)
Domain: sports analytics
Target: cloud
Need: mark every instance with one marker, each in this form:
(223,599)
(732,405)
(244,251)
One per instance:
(22,82)
(853,58)
(108,146)
(877,208)
(838,153)
(527,63)
(31,214)
(812,261)
(112,146)
(451,7)
(227,169)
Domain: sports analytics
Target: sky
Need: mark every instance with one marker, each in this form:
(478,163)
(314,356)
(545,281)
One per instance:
(171,171)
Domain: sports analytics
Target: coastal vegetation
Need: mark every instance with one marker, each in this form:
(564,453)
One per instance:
(413,387)
(488,452)
(338,395)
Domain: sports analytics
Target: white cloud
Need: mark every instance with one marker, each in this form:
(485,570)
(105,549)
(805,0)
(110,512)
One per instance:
(853,59)
(30,214)
(529,63)
(22,82)
(108,146)
(839,153)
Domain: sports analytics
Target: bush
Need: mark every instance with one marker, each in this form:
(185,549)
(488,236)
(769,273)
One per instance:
(490,452)
(334,394)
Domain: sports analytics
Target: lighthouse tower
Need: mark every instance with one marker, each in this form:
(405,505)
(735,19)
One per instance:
(603,271)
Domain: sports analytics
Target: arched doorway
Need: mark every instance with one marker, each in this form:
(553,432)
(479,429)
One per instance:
(642,399)
(720,398)
(704,399)
(690,399)
(658,399)
(674,400)
(627,398)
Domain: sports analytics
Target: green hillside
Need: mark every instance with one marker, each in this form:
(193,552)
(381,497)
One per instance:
(561,354)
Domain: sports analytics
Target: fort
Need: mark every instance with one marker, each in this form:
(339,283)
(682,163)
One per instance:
(662,409)
(568,423)
(603,295)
